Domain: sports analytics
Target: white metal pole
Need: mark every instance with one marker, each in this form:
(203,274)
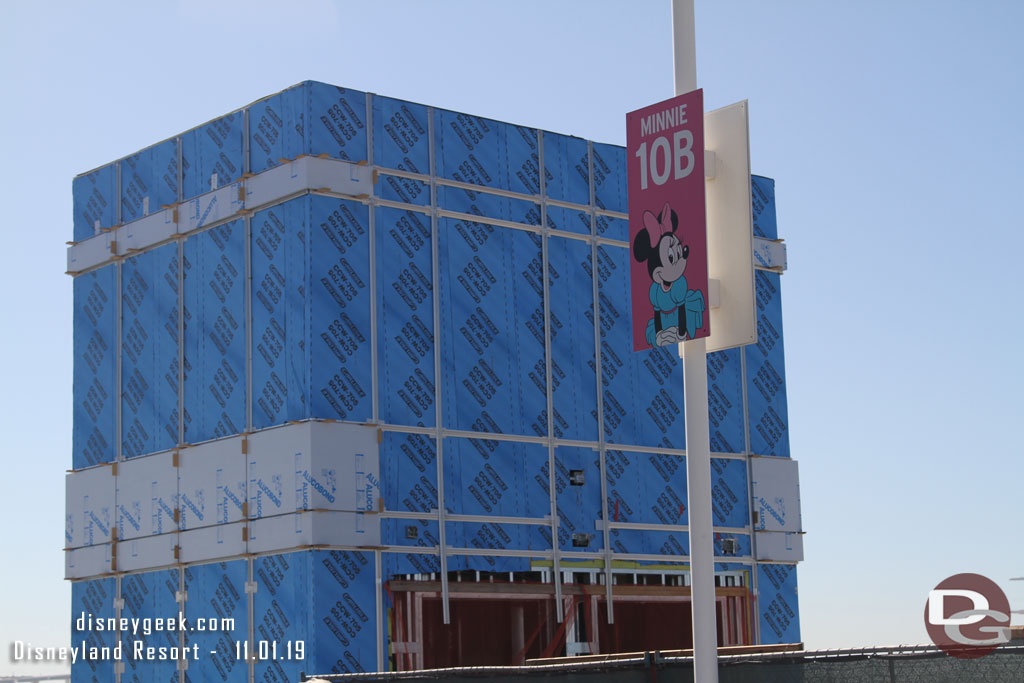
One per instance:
(698,442)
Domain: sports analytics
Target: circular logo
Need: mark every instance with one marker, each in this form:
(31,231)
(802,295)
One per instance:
(967,616)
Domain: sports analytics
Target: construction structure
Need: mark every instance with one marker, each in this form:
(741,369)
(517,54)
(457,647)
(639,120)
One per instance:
(354,390)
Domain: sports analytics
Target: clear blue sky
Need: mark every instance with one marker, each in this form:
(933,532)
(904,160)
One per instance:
(892,130)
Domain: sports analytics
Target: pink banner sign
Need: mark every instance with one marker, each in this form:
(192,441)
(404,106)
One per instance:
(668,246)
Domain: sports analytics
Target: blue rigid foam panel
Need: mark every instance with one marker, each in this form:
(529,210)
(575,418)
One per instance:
(762,192)
(573,357)
(215,147)
(153,174)
(401,141)
(217,591)
(417,533)
(337,122)
(646,488)
(566,169)
(344,596)
(725,401)
(94,198)
(280,354)
(95,368)
(405,318)
(324,598)
(568,220)
(610,178)
(149,351)
(579,506)
(309,118)
(215,347)
(283,612)
(92,599)
(397,564)
(643,390)
(149,595)
(277,128)
(341,379)
(613,228)
(496,536)
(405,190)
(650,542)
(503,479)
(488,205)
(408,467)
(777,603)
(480,151)
(766,372)
(492,330)
(729,494)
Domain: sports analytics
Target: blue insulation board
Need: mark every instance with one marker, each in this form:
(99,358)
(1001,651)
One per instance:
(337,122)
(492,330)
(95,369)
(149,179)
(566,169)
(149,595)
(488,205)
(215,147)
(277,128)
(214,319)
(280,365)
(339,317)
(777,603)
(766,372)
(573,356)
(725,401)
(568,220)
(96,599)
(762,192)
(149,351)
(642,391)
(579,505)
(610,178)
(217,591)
(479,151)
(646,488)
(501,479)
(397,564)
(405,317)
(408,466)
(309,118)
(402,140)
(650,542)
(413,533)
(94,199)
(729,493)
(324,598)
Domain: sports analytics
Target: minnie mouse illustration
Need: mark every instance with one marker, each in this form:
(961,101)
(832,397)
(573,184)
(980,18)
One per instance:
(678,312)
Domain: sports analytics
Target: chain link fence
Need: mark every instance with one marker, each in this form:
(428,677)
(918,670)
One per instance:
(919,664)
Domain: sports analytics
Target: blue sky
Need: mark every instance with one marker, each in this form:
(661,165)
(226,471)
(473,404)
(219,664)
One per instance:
(892,131)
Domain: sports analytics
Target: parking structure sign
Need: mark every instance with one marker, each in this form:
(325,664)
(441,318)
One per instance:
(667,221)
